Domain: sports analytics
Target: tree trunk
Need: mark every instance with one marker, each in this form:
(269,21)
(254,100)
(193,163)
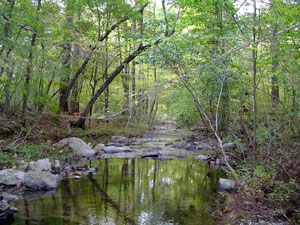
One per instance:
(81,122)
(72,82)
(254,57)
(28,70)
(66,64)
(274,55)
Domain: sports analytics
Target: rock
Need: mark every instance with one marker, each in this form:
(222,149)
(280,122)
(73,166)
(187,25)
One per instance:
(119,139)
(6,211)
(229,146)
(226,184)
(114,149)
(201,157)
(56,164)
(204,146)
(181,156)
(8,197)
(162,158)
(150,153)
(121,155)
(78,146)
(177,145)
(40,180)
(99,147)
(40,165)
(156,148)
(23,166)
(11,177)
(190,147)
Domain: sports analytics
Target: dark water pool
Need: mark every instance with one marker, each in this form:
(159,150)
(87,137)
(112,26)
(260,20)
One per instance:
(129,191)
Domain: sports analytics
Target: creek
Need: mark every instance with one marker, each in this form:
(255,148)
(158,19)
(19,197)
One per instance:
(130,191)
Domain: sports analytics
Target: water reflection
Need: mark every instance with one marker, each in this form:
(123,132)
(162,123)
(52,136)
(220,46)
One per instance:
(129,191)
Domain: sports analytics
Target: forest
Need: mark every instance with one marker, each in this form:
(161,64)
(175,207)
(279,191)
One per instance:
(227,70)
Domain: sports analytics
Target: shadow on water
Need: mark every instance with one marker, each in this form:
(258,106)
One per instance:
(128,191)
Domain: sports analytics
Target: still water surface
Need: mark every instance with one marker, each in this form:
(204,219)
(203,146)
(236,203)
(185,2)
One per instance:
(129,191)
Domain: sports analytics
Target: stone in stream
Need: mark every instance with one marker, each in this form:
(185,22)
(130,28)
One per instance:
(181,156)
(40,165)
(40,180)
(11,177)
(204,146)
(226,184)
(202,157)
(178,145)
(115,149)
(150,153)
(78,146)
(8,197)
(119,139)
(99,147)
(190,147)
(6,212)
(121,155)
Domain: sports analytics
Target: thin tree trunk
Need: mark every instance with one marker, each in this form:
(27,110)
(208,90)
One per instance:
(28,70)
(254,57)
(274,54)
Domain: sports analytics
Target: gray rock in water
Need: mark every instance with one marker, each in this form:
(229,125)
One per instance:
(99,147)
(226,184)
(11,177)
(121,155)
(114,149)
(150,153)
(204,147)
(41,180)
(78,146)
(119,139)
(190,147)
(6,211)
(40,165)
(9,197)
(201,157)
(181,156)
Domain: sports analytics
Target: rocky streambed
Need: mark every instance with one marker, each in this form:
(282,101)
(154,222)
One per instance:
(41,179)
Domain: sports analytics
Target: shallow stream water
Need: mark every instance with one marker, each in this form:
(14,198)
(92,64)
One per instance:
(128,191)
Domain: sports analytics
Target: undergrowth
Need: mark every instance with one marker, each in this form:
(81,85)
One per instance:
(35,138)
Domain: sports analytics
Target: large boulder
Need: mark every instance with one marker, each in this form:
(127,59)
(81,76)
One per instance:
(6,211)
(226,184)
(11,177)
(201,157)
(41,180)
(115,149)
(78,146)
(40,165)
